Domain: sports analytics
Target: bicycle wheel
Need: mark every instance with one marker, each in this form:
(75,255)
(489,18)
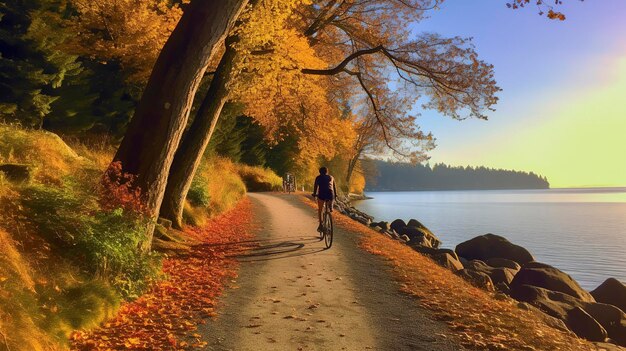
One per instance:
(328,229)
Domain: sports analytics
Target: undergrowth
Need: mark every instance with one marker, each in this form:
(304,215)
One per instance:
(66,261)
(216,188)
(259,179)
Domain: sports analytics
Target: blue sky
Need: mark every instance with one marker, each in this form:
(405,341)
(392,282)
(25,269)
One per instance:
(545,69)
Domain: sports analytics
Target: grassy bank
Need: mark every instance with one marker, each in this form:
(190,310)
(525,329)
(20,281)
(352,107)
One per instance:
(67,255)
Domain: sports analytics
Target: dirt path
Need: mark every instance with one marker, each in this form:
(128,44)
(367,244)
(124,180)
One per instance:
(294,295)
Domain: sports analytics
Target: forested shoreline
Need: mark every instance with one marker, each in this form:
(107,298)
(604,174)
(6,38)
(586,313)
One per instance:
(390,176)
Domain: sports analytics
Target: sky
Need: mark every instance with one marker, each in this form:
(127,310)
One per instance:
(562,111)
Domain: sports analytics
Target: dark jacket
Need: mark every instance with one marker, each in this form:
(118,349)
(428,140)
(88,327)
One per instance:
(324,187)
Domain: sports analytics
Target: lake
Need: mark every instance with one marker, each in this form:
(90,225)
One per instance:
(580,231)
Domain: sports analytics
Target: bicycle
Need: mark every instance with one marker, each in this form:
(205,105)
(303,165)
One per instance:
(327,224)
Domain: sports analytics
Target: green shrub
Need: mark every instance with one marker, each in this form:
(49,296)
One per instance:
(100,242)
(198,194)
(216,187)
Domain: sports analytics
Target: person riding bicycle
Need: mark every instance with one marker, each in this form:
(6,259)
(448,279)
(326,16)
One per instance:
(324,189)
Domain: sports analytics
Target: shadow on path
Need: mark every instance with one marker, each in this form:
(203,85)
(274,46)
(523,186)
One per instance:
(273,249)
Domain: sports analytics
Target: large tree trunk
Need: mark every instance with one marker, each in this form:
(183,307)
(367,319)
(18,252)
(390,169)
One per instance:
(192,147)
(154,133)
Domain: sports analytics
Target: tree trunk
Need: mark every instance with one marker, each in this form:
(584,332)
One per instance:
(351,166)
(195,141)
(153,135)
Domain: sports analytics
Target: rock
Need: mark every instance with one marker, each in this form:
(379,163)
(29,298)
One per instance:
(548,277)
(415,223)
(405,238)
(497,275)
(502,275)
(418,241)
(485,247)
(555,304)
(395,235)
(479,265)
(450,252)
(397,225)
(414,232)
(384,225)
(523,306)
(376,228)
(504,263)
(16,173)
(446,260)
(610,318)
(478,279)
(363,220)
(585,326)
(503,288)
(613,292)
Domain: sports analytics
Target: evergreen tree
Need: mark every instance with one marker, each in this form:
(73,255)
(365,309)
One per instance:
(32,64)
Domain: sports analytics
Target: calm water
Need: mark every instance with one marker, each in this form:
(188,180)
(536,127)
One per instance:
(580,231)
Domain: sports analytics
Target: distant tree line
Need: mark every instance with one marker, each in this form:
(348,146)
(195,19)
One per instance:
(404,176)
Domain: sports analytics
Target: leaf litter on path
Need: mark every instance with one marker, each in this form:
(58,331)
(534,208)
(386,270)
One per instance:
(167,316)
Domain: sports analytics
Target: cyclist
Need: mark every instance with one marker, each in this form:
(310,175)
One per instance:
(324,189)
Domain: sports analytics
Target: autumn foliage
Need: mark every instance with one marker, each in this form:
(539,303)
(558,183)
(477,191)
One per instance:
(167,317)
(117,191)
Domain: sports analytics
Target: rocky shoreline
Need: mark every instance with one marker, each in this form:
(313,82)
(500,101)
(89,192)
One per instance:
(492,263)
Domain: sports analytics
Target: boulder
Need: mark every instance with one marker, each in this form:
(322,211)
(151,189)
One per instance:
(497,275)
(363,220)
(405,238)
(548,277)
(503,288)
(394,234)
(418,241)
(485,247)
(479,266)
(414,232)
(585,326)
(384,225)
(397,225)
(610,318)
(478,279)
(448,251)
(503,263)
(502,275)
(415,223)
(16,173)
(553,303)
(613,292)
(446,260)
